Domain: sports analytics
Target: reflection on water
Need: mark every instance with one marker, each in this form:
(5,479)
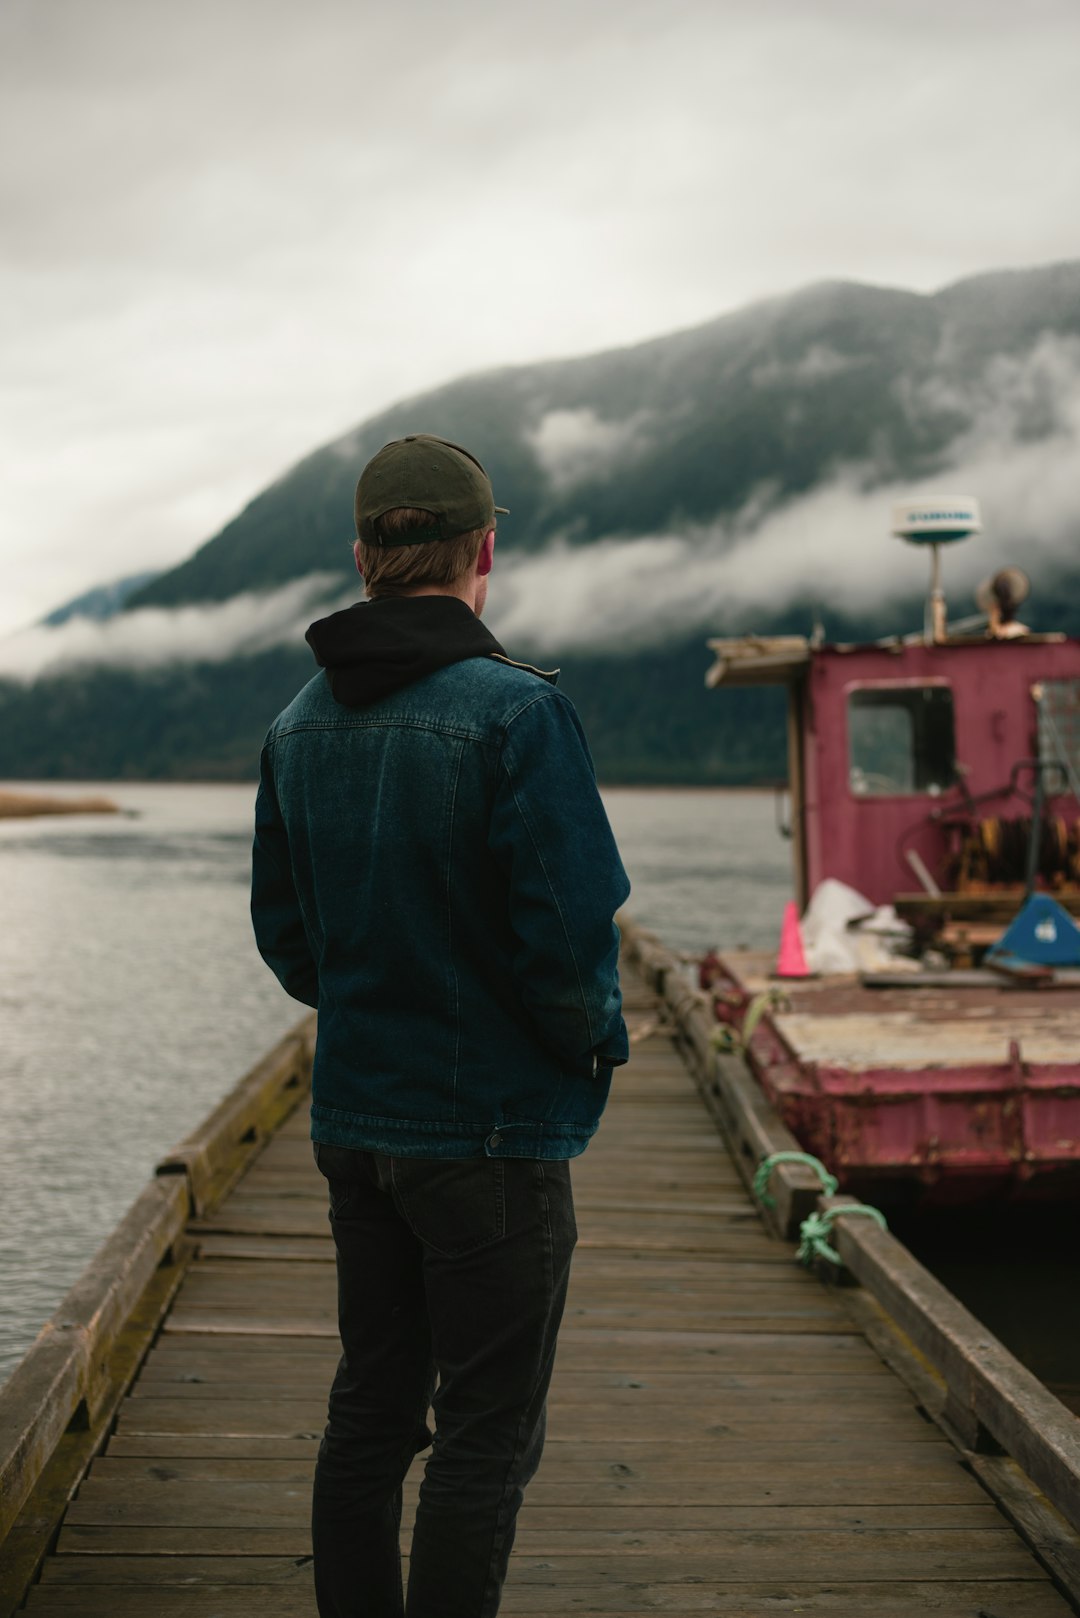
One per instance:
(132,998)
(706,867)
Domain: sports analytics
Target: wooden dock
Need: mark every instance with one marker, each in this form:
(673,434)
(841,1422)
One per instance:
(723,1438)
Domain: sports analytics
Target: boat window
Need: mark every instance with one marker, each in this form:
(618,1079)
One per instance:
(901,739)
(1059,734)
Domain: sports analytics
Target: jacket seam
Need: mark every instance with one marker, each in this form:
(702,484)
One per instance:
(286,877)
(450,936)
(555,900)
(391,722)
(446,1126)
(541,696)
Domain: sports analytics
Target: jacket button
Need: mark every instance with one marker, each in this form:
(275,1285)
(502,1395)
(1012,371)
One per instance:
(495,1138)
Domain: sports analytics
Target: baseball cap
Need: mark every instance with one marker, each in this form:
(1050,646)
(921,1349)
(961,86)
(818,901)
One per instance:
(430,474)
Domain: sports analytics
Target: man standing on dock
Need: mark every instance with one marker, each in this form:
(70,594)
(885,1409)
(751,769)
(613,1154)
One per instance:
(433,869)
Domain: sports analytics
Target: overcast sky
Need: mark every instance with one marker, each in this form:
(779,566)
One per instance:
(232,229)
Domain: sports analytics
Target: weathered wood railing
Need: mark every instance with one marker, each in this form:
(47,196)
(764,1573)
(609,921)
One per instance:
(57,1405)
(993,1408)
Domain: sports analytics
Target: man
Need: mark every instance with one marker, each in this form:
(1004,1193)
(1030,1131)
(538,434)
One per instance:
(434,870)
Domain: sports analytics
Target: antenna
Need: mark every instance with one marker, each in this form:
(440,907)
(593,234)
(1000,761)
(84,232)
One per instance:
(940,520)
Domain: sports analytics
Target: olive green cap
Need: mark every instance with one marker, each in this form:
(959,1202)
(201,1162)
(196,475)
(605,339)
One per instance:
(429,474)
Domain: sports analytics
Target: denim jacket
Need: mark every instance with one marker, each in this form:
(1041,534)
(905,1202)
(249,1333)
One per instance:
(435,872)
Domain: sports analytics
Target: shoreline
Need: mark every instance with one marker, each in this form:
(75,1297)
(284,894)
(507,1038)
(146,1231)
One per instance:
(43,790)
(27,805)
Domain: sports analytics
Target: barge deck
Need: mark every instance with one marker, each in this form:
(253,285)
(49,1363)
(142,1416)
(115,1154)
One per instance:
(723,1436)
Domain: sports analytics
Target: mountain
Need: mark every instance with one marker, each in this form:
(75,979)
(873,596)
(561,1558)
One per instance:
(102,601)
(679,430)
(736,476)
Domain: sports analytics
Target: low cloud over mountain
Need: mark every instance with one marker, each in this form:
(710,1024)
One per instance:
(723,478)
(154,637)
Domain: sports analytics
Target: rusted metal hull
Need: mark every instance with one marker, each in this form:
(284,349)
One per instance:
(942,1095)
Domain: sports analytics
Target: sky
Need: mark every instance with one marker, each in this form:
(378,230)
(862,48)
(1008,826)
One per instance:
(234,229)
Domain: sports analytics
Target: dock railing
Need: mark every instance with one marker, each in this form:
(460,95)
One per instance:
(995,1410)
(57,1404)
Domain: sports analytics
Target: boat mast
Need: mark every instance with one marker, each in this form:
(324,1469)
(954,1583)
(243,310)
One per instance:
(936,522)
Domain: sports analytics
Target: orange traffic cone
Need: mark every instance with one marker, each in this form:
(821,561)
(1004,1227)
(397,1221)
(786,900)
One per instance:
(791,962)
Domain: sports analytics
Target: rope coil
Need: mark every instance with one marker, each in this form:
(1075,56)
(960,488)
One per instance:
(829,1184)
(816,1229)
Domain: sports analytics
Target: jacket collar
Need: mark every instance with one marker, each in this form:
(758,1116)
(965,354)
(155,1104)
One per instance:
(374,648)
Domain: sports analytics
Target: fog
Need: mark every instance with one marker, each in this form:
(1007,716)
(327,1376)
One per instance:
(234,230)
(154,636)
(1018,455)
(833,546)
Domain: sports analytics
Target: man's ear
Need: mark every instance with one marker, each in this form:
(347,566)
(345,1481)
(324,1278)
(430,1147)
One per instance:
(356,554)
(483,560)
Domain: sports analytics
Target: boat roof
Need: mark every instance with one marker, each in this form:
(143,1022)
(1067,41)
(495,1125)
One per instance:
(758,660)
(784,659)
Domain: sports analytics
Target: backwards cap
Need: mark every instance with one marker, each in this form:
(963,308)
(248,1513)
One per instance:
(429,474)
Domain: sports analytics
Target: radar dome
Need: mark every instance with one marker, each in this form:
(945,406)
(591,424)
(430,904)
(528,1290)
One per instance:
(937,521)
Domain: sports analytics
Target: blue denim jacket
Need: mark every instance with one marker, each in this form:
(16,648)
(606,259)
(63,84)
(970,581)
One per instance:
(435,871)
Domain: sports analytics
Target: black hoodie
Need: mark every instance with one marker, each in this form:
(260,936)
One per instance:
(376,647)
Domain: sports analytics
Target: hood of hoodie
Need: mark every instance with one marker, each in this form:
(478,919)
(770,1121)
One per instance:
(374,648)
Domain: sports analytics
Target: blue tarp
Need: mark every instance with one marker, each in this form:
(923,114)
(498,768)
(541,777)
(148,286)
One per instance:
(1043,934)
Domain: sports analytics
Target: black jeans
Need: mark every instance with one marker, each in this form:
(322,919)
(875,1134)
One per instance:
(448,1268)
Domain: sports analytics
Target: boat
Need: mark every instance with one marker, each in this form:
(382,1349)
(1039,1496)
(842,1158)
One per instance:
(936,772)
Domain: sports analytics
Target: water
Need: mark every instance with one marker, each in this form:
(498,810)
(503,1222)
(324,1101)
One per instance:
(132,998)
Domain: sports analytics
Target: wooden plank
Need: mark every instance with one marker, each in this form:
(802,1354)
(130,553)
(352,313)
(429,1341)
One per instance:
(714,1279)
(854,1396)
(987,1384)
(302,1249)
(926,1479)
(682,1390)
(780,1553)
(711,1417)
(273,1587)
(735,1101)
(286,1503)
(863,1497)
(717,1275)
(635,1453)
(653,1314)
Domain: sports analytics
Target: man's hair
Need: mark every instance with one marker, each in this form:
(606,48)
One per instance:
(395,570)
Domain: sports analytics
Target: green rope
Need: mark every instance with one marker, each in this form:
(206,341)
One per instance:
(770,999)
(725,1040)
(732,1042)
(817,1228)
(829,1184)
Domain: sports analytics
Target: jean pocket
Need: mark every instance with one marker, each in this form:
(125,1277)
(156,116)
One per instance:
(454,1205)
(343,1168)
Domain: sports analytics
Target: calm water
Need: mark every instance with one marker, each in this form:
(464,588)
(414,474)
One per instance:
(132,998)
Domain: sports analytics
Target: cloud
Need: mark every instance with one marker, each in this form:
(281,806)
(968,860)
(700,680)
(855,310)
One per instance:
(578,446)
(832,547)
(818,363)
(193,293)
(1017,454)
(151,637)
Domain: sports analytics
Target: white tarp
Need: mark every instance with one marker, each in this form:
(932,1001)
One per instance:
(843,931)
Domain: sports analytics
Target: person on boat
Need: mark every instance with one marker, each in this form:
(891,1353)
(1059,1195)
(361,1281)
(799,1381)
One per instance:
(434,870)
